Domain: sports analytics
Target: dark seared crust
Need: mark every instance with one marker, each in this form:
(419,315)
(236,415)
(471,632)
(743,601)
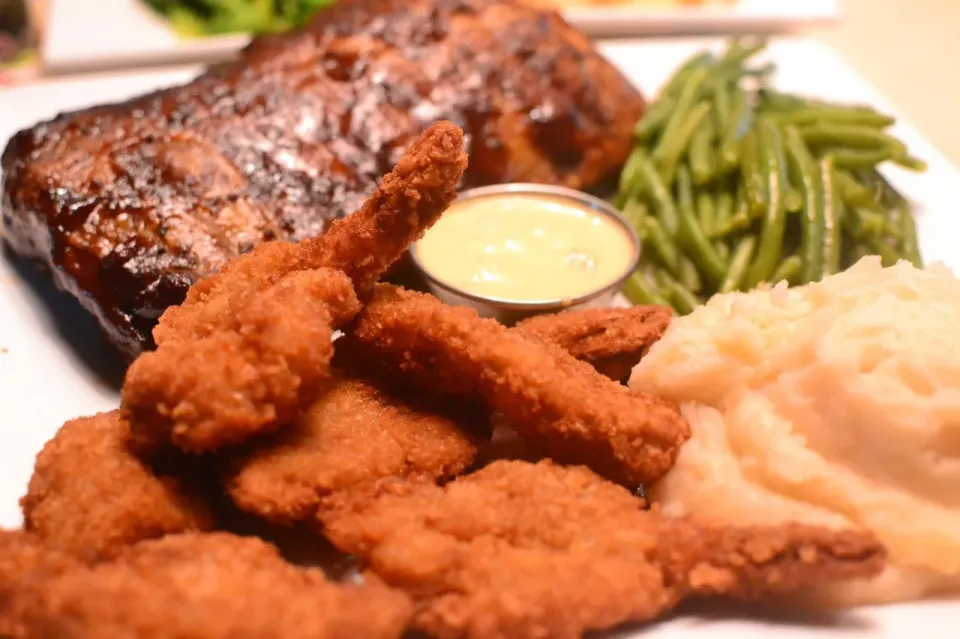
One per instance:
(130,203)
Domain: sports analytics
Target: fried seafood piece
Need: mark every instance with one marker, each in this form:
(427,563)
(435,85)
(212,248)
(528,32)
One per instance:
(561,406)
(209,586)
(363,245)
(539,550)
(249,348)
(267,361)
(356,432)
(90,495)
(25,559)
(612,340)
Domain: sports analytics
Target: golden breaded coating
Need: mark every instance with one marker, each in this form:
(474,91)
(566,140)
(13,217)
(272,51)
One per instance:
(25,560)
(248,349)
(612,340)
(356,432)
(537,550)
(90,495)
(559,405)
(209,586)
(254,374)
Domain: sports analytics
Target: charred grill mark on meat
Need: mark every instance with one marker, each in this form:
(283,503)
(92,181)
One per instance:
(130,203)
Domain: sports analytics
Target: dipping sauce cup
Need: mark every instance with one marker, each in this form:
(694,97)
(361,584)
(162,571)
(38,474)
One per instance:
(515,250)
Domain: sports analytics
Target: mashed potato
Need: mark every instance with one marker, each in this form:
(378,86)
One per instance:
(835,403)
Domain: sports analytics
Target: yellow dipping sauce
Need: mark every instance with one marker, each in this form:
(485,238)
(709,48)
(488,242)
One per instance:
(526,247)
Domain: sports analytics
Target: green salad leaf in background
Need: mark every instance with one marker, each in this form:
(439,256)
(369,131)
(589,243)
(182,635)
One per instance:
(215,17)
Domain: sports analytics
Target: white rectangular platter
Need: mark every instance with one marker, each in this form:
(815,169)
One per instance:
(103,34)
(53,366)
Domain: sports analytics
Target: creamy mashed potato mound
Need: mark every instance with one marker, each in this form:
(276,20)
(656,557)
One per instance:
(835,403)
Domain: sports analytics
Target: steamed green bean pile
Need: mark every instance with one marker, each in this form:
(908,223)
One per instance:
(733,184)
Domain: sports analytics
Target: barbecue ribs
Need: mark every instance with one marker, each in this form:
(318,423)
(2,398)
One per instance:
(130,203)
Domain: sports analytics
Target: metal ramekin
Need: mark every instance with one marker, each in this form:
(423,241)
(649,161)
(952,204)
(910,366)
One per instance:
(510,311)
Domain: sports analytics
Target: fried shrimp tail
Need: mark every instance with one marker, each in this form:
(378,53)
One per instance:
(407,203)
(704,559)
(612,340)
(249,348)
(363,244)
(559,405)
(525,550)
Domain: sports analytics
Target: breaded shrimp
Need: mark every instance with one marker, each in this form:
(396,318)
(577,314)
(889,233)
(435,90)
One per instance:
(90,495)
(356,432)
(559,405)
(268,360)
(524,550)
(249,348)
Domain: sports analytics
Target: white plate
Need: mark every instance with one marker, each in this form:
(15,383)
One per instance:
(53,368)
(102,34)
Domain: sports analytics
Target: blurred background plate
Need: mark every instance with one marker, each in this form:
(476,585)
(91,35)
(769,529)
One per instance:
(84,35)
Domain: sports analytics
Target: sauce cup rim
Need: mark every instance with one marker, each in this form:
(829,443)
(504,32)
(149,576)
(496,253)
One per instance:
(585,199)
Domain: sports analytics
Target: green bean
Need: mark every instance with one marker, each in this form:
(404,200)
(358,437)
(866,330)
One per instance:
(659,195)
(721,106)
(832,241)
(669,152)
(699,248)
(722,250)
(640,291)
(788,270)
(752,174)
(862,223)
(635,212)
(888,255)
(775,100)
(706,211)
(739,264)
(853,192)
(859,158)
(832,115)
(908,231)
(851,136)
(812,228)
(682,75)
(656,238)
(911,163)
(735,74)
(785,101)
(725,205)
(630,180)
(654,119)
(700,152)
(689,276)
(686,99)
(739,222)
(775,222)
(684,301)
(792,200)
(737,53)
(730,139)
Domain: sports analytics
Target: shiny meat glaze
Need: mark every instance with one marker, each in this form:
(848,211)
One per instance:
(130,203)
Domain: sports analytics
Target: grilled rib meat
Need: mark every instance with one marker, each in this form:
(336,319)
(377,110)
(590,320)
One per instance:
(129,203)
